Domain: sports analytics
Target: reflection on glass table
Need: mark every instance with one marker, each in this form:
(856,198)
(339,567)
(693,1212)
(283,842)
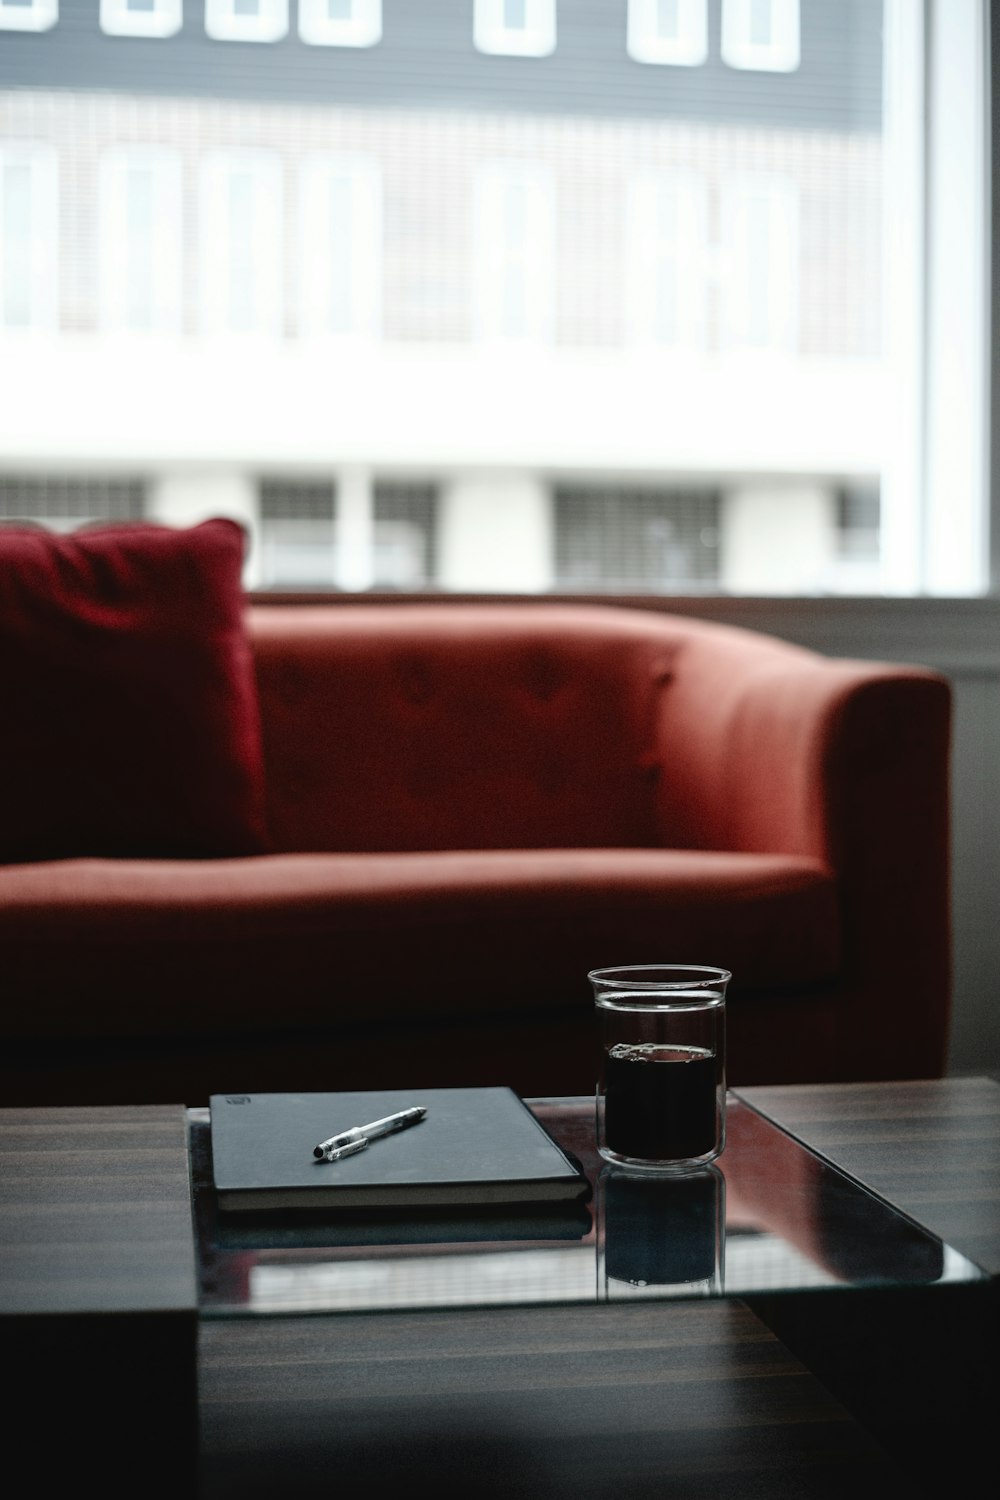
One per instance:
(768,1216)
(660,1236)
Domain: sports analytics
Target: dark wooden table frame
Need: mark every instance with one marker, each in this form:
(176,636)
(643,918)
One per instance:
(119,1384)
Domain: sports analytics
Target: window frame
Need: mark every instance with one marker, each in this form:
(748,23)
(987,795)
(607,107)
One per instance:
(363,250)
(780,55)
(43,255)
(224,25)
(688,50)
(536,38)
(779,196)
(494,253)
(166,256)
(217,169)
(40,15)
(646,251)
(363,28)
(940,514)
(165,19)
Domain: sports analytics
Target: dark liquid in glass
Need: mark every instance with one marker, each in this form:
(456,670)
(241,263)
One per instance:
(660,1101)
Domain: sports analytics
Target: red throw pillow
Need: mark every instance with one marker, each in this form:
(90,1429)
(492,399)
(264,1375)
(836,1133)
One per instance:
(130,722)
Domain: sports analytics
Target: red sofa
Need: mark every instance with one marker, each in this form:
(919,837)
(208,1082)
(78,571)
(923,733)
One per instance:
(468,806)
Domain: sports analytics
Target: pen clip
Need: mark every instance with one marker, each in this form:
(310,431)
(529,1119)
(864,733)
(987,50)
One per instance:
(334,1153)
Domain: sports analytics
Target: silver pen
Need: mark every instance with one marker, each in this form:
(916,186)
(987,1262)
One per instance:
(346,1142)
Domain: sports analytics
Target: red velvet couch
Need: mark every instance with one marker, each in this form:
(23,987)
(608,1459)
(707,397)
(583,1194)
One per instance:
(469,806)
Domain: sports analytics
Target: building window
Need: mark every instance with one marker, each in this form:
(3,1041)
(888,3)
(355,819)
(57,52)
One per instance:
(142,17)
(858,522)
(666,256)
(405,535)
(63,504)
(760,238)
(340,23)
(246,20)
(761,34)
(29,216)
(240,235)
(297,534)
(28,15)
(303,534)
(514,253)
(139,196)
(515,28)
(340,248)
(635,540)
(855,567)
(668,31)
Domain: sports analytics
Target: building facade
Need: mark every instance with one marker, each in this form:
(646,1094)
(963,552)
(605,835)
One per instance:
(499,295)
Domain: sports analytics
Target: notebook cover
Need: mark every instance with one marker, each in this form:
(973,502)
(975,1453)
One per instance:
(474,1146)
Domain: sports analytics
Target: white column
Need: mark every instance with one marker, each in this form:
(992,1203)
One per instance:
(354,554)
(184,498)
(777,538)
(496,534)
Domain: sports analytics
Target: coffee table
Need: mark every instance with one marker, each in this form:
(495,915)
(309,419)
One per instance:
(579,1353)
(498,1365)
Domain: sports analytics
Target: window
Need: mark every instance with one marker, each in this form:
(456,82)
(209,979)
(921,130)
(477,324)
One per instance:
(28,237)
(633,540)
(340,23)
(857,522)
(240,244)
(405,535)
(64,504)
(761,34)
(760,280)
(668,31)
(424,263)
(140,241)
(513,253)
(340,248)
(318,534)
(515,28)
(297,531)
(667,261)
(141,17)
(28,15)
(246,20)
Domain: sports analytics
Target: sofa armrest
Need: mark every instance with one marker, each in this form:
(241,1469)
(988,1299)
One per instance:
(772,748)
(769,747)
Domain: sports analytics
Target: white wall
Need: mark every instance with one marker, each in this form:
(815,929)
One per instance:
(777,537)
(184,497)
(496,534)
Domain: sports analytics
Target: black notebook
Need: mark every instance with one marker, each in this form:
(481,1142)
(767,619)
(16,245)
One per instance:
(473,1146)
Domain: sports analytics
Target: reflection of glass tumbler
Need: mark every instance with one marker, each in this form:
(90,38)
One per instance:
(661,1089)
(660,1235)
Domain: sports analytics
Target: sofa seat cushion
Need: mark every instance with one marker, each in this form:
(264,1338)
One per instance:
(131,947)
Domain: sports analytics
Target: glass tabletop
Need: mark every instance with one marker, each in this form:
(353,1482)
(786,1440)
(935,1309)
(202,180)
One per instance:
(768,1216)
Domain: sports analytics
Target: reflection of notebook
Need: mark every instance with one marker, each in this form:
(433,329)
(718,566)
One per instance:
(475,1146)
(352,1228)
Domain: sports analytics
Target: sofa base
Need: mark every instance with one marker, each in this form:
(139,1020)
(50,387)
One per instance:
(552,1054)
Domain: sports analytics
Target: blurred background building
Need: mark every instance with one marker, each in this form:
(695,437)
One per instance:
(472,295)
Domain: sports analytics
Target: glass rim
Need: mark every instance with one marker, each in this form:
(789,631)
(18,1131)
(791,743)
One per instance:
(618,975)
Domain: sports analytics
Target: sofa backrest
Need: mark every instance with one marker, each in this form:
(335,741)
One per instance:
(464,726)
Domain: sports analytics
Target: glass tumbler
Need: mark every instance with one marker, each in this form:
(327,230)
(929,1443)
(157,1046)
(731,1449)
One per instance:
(661,1088)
